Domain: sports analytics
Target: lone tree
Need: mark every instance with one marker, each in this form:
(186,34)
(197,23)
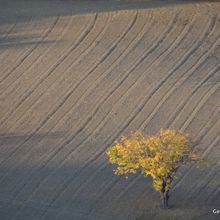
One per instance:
(159,156)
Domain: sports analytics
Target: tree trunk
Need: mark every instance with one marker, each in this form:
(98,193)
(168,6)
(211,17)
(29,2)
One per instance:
(164,199)
(164,195)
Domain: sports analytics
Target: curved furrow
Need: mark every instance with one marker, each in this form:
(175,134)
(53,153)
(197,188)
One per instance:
(163,53)
(159,56)
(80,40)
(182,61)
(208,124)
(198,107)
(177,41)
(12,54)
(206,128)
(186,110)
(45,34)
(191,117)
(73,86)
(197,47)
(205,131)
(103,99)
(215,139)
(72,45)
(201,103)
(75,45)
(130,45)
(109,187)
(48,78)
(184,100)
(208,177)
(108,52)
(187,73)
(212,133)
(113,99)
(27,76)
(130,184)
(190,108)
(11,84)
(195,70)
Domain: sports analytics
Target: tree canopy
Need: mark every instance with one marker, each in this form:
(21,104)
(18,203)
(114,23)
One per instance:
(158,156)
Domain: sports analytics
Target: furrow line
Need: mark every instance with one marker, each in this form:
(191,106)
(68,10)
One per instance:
(38,58)
(180,106)
(208,177)
(195,111)
(204,130)
(132,43)
(159,56)
(183,102)
(208,125)
(30,52)
(132,22)
(131,184)
(65,98)
(81,38)
(199,106)
(82,127)
(196,190)
(73,46)
(193,92)
(147,119)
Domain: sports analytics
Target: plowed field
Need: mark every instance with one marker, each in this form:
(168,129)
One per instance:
(75,75)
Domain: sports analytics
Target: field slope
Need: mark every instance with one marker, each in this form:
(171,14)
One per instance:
(75,75)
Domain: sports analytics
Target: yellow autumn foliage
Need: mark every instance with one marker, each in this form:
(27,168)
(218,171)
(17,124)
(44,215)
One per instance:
(158,156)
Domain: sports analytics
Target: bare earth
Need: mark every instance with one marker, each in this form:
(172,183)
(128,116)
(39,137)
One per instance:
(75,75)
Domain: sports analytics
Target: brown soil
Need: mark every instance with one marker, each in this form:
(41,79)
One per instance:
(75,75)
